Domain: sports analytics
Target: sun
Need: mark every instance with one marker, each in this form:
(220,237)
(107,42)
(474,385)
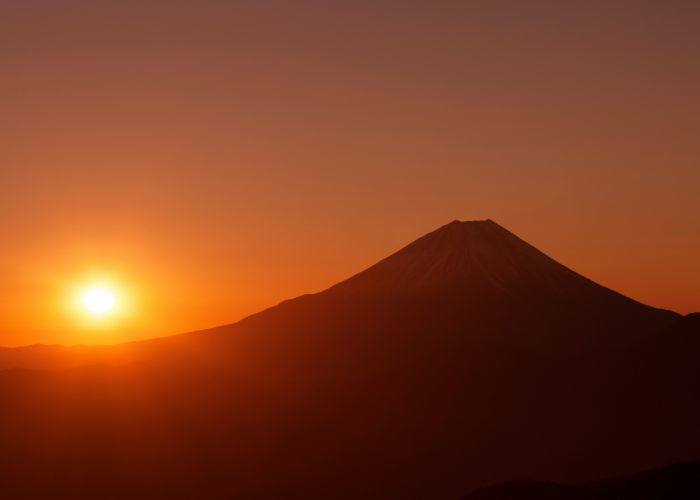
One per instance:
(99,301)
(101,304)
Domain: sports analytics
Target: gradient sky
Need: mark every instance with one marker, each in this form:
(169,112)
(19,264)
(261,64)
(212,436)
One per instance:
(216,157)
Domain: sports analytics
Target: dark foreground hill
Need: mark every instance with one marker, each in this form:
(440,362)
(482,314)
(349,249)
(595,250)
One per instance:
(676,482)
(466,358)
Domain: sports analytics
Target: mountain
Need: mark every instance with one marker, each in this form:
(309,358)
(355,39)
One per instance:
(679,482)
(483,269)
(464,359)
(472,256)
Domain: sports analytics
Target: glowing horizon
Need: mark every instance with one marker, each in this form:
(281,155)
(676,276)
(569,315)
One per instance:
(220,157)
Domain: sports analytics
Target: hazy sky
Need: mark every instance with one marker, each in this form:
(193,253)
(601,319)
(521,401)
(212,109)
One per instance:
(216,157)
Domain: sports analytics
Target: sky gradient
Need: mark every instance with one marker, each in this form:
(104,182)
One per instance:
(215,157)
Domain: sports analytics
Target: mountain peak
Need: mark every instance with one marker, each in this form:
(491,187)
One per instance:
(461,224)
(478,255)
(478,221)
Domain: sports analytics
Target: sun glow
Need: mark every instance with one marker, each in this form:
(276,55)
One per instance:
(99,301)
(102,308)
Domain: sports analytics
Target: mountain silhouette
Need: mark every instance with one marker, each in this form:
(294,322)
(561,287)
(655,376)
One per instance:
(466,358)
(485,268)
(679,482)
(471,256)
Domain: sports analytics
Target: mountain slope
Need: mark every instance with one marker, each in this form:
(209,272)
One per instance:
(464,359)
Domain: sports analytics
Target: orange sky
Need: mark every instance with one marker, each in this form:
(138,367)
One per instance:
(214,158)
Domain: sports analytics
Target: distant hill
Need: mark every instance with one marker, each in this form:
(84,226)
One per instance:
(677,482)
(466,358)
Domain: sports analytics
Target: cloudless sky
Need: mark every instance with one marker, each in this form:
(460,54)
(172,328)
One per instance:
(215,157)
